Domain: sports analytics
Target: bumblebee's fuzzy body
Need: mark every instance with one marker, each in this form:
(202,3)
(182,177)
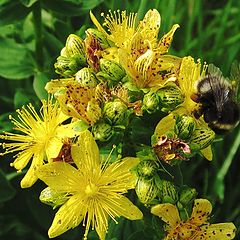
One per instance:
(218,104)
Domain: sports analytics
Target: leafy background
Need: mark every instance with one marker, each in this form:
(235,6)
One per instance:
(32,33)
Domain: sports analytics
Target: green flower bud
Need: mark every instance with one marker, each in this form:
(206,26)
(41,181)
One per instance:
(146,169)
(170,97)
(86,77)
(185,125)
(202,138)
(151,102)
(102,131)
(101,37)
(167,191)
(64,52)
(146,190)
(68,66)
(116,112)
(75,45)
(187,195)
(53,198)
(111,70)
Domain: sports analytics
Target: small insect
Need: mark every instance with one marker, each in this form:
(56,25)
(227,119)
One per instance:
(218,99)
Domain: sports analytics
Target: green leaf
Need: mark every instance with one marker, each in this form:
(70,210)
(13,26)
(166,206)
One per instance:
(90,4)
(39,82)
(28,3)
(7,192)
(15,60)
(64,7)
(22,97)
(12,11)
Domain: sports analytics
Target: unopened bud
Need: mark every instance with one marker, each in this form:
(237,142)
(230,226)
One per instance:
(187,195)
(111,70)
(146,169)
(86,77)
(167,191)
(151,102)
(116,112)
(202,137)
(53,198)
(75,45)
(102,131)
(170,97)
(185,125)
(146,190)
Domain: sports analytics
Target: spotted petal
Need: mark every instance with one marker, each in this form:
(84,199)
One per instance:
(219,231)
(31,177)
(85,151)
(60,176)
(168,213)
(119,205)
(201,210)
(68,216)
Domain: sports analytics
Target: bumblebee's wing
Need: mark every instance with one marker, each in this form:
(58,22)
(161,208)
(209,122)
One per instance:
(235,79)
(219,85)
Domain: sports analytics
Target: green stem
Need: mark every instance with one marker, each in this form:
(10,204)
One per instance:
(37,21)
(224,169)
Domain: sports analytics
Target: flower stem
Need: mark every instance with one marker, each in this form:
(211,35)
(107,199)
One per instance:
(37,22)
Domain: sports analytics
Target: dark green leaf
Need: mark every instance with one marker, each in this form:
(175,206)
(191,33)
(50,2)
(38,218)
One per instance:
(39,82)
(28,3)
(90,4)
(64,7)
(12,11)
(7,192)
(22,97)
(15,60)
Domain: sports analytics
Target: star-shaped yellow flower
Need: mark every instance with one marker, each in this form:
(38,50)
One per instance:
(196,227)
(140,52)
(95,189)
(39,138)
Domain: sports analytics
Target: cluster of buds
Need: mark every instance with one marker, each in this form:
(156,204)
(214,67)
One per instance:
(72,57)
(151,188)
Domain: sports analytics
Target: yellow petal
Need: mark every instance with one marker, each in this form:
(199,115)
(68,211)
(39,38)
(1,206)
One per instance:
(122,206)
(68,216)
(166,40)
(94,111)
(150,25)
(22,159)
(167,212)
(31,177)
(207,153)
(201,210)
(97,24)
(60,176)
(53,148)
(119,172)
(85,151)
(67,130)
(101,222)
(166,124)
(219,231)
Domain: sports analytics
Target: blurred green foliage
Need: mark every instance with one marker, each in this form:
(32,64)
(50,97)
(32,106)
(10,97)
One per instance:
(32,33)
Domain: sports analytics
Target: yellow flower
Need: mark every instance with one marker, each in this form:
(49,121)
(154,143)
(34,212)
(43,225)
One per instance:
(83,103)
(40,137)
(140,52)
(196,227)
(189,73)
(95,189)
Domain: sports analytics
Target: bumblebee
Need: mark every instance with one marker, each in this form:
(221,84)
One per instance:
(218,99)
